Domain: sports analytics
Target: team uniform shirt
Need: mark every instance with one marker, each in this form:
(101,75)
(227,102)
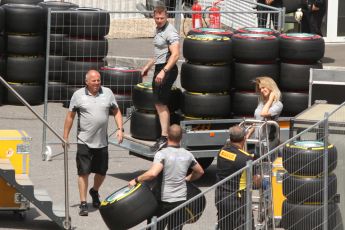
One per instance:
(231,159)
(93,115)
(164,37)
(176,162)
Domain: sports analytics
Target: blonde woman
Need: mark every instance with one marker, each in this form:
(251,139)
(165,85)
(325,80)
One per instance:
(269,106)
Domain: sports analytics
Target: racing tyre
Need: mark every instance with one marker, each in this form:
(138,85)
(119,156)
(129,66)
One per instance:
(56,44)
(246,73)
(205,162)
(30,2)
(294,103)
(257,30)
(120,79)
(85,48)
(214,31)
(32,93)
(25,69)
(143,98)
(57,91)
(206,105)
(21,18)
(25,45)
(307,189)
(307,48)
(128,207)
(89,22)
(243,103)
(2,18)
(309,216)
(74,70)
(145,126)
(255,47)
(207,48)
(194,210)
(55,68)
(2,46)
(124,101)
(296,76)
(305,158)
(205,78)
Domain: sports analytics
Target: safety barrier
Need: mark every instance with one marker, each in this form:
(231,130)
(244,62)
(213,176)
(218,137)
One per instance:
(295,186)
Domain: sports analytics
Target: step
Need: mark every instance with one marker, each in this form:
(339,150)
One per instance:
(59,210)
(42,195)
(23,179)
(5,164)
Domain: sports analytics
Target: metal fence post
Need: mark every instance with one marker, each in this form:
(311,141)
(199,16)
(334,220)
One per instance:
(249,178)
(178,15)
(325,168)
(154,222)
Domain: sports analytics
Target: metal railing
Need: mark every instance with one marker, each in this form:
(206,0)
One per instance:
(67,223)
(306,184)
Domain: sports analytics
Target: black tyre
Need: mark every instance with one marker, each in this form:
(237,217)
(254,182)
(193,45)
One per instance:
(124,101)
(25,69)
(205,162)
(295,77)
(2,18)
(205,78)
(301,47)
(30,2)
(143,98)
(2,94)
(74,71)
(245,74)
(305,158)
(32,93)
(56,44)
(214,31)
(3,67)
(292,5)
(57,20)
(244,103)
(55,68)
(194,210)
(257,30)
(206,105)
(21,18)
(128,207)
(307,189)
(207,48)
(25,45)
(85,48)
(255,47)
(145,126)
(294,103)
(2,46)
(309,216)
(57,91)
(89,22)
(120,79)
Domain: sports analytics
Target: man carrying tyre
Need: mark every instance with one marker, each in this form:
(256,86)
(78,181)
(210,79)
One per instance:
(171,166)
(166,54)
(92,104)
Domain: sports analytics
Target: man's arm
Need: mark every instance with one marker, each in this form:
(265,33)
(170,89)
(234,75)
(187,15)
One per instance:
(196,173)
(147,67)
(118,121)
(175,54)
(150,174)
(68,124)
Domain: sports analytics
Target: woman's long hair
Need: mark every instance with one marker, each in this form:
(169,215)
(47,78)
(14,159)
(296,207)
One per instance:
(268,83)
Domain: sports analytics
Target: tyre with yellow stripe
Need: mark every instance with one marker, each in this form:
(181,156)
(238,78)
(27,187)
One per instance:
(128,207)
(305,158)
(194,209)
(301,189)
(206,104)
(207,48)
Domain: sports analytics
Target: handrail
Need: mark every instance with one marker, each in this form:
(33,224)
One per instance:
(67,223)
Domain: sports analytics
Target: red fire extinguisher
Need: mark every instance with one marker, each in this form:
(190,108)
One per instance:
(215,15)
(196,18)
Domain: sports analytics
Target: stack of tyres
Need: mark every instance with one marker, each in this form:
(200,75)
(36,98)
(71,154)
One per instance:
(299,52)
(255,51)
(145,123)
(57,90)
(206,74)
(25,67)
(85,45)
(303,186)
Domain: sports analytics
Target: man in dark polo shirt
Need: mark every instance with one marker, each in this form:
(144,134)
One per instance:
(166,54)
(231,196)
(92,104)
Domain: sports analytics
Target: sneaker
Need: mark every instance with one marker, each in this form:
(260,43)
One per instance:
(83,210)
(95,198)
(160,143)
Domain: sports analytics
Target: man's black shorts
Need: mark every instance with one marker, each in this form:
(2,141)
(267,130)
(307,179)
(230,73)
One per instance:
(161,92)
(91,160)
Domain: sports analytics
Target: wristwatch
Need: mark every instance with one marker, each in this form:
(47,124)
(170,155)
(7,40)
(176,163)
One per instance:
(165,70)
(123,130)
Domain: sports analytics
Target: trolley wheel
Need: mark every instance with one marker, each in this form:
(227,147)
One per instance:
(20,214)
(47,154)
